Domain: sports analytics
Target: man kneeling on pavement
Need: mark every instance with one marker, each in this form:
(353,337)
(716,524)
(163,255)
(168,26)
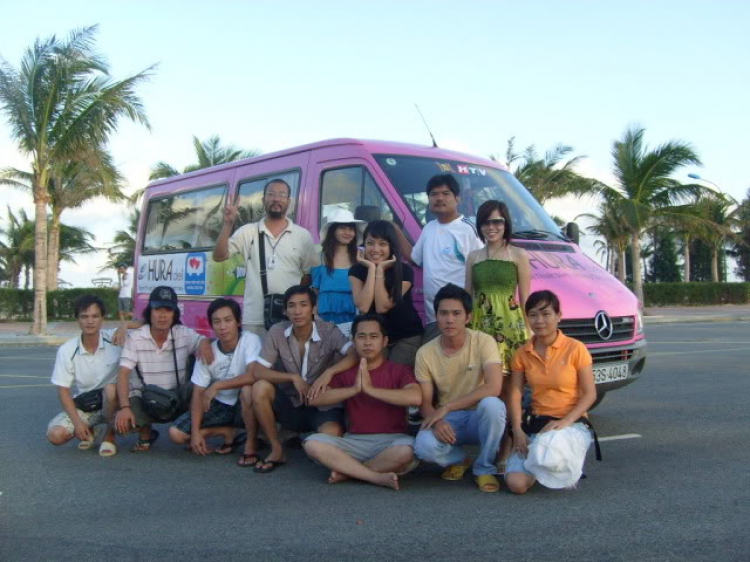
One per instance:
(156,354)
(460,373)
(376,394)
(214,407)
(89,362)
(295,354)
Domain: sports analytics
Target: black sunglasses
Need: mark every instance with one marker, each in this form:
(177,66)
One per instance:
(494,222)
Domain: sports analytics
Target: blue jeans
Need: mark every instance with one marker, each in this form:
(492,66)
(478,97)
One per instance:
(483,426)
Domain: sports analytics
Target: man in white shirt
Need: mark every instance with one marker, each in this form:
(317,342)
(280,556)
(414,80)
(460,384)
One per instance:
(125,296)
(214,409)
(444,244)
(289,252)
(89,362)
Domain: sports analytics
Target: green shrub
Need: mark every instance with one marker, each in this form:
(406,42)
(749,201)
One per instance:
(695,294)
(18,304)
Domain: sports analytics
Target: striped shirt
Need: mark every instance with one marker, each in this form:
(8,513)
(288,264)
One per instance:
(155,363)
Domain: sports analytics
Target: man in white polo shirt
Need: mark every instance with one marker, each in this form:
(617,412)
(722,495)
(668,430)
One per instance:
(288,248)
(443,245)
(214,410)
(89,362)
(156,354)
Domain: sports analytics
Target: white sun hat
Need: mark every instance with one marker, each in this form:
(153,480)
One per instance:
(342,216)
(556,457)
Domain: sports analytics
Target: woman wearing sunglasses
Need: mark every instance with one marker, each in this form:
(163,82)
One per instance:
(498,276)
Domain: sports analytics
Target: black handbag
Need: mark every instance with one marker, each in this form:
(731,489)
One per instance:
(273,304)
(93,400)
(90,401)
(166,405)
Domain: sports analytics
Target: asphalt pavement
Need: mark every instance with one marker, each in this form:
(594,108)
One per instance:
(673,484)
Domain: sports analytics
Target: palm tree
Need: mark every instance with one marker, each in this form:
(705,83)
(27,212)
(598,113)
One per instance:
(17,251)
(609,224)
(62,106)
(717,209)
(122,248)
(646,194)
(77,185)
(208,153)
(550,176)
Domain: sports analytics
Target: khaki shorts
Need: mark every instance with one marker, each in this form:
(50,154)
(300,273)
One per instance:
(364,447)
(92,419)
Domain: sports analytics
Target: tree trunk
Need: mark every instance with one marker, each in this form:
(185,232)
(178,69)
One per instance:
(715,264)
(686,258)
(53,251)
(635,246)
(622,268)
(39,327)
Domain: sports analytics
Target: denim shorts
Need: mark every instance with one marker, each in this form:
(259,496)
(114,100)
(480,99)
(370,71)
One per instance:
(218,415)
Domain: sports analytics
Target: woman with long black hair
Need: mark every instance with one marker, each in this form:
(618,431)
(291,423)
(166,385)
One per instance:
(381,283)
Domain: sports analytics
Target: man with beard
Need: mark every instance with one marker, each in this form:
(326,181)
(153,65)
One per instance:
(289,252)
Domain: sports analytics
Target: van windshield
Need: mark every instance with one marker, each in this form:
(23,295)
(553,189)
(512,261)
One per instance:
(409,175)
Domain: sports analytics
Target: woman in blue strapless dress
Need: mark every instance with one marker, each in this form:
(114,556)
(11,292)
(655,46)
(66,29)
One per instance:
(340,237)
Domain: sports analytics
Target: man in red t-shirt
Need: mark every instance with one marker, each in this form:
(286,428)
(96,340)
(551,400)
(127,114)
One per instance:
(376,394)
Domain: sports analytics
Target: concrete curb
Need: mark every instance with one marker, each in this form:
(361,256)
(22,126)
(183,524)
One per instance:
(17,340)
(33,341)
(693,319)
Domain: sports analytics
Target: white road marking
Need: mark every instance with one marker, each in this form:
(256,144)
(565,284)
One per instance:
(701,341)
(23,385)
(697,351)
(618,437)
(23,376)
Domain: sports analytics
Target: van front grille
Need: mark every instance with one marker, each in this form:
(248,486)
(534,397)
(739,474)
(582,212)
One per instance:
(609,356)
(584,330)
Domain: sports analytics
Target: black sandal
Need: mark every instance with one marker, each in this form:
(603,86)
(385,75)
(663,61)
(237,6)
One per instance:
(262,469)
(144,445)
(243,461)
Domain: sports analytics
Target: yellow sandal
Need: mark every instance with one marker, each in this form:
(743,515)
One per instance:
(487,483)
(456,471)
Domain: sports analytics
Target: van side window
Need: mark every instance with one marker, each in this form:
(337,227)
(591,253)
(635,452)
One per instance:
(184,221)
(355,190)
(250,198)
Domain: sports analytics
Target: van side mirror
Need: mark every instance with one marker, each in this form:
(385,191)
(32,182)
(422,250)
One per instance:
(573,232)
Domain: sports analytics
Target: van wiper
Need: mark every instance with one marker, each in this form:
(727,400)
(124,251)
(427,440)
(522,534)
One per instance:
(539,235)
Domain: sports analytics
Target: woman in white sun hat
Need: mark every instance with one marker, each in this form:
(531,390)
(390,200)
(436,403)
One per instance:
(339,238)
(550,445)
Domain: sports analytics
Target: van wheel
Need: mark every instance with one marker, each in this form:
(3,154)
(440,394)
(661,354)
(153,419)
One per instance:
(599,397)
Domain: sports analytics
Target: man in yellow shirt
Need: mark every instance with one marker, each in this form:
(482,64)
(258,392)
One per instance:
(460,374)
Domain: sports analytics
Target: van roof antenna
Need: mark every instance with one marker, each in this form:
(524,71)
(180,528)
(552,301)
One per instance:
(426,126)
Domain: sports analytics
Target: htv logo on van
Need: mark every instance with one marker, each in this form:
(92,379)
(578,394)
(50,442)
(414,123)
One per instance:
(195,274)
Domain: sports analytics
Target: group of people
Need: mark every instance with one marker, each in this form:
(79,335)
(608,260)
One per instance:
(351,357)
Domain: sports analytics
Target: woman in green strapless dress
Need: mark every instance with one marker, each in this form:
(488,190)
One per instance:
(499,279)
(496,310)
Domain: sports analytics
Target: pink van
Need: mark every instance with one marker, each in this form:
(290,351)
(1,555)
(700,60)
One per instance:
(182,217)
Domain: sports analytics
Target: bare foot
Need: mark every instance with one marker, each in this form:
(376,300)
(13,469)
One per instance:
(336,477)
(387,480)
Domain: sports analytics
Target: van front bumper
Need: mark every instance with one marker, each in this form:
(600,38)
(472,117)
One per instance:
(634,354)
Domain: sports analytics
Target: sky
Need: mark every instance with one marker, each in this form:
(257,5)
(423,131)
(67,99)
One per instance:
(272,75)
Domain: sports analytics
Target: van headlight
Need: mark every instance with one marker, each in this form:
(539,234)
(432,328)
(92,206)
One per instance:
(639,322)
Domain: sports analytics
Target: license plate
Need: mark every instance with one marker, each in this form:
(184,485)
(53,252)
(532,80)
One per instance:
(610,373)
